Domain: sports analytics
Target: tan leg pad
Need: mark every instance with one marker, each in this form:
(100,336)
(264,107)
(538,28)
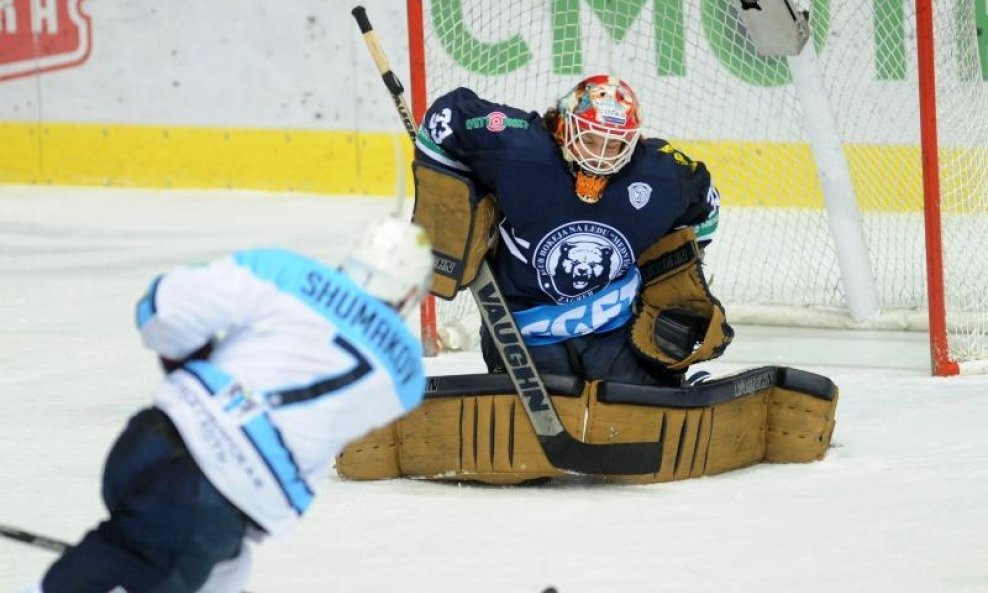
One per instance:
(371,457)
(755,416)
(799,426)
(485,438)
(695,441)
(772,424)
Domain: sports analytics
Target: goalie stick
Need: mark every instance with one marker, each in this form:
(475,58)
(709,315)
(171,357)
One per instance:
(560,448)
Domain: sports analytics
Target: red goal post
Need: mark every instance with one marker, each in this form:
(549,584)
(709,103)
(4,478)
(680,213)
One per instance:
(901,86)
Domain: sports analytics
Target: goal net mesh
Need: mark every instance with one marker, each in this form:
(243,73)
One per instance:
(705,88)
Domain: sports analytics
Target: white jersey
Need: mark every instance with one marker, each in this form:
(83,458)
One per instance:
(305,363)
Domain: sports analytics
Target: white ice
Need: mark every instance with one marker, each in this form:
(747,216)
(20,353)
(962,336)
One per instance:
(899,505)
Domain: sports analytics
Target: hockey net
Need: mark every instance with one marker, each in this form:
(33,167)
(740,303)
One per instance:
(704,87)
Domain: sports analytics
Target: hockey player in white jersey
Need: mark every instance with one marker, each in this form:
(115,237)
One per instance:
(275,362)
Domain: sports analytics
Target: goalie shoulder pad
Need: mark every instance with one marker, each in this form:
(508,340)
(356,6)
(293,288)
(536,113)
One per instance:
(460,225)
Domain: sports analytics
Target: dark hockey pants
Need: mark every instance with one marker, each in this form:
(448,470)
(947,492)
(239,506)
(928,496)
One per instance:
(168,525)
(607,356)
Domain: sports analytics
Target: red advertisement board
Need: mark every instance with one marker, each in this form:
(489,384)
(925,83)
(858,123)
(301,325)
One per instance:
(42,35)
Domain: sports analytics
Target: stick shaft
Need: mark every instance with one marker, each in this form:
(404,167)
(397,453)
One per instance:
(33,539)
(384,68)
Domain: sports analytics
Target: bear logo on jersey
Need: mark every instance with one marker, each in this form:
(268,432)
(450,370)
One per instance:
(582,265)
(579,259)
(639,194)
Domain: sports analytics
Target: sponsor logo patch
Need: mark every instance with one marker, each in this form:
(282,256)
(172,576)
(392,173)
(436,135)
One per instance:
(612,114)
(496,121)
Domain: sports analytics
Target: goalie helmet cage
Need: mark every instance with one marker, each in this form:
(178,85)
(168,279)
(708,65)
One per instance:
(907,86)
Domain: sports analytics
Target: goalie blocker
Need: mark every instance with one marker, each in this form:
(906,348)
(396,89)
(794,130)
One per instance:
(472,427)
(459,224)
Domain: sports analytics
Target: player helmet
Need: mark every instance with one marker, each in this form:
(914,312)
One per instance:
(601,106)
(392,260)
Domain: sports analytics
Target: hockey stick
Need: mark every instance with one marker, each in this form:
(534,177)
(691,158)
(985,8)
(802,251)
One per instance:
(39,541)
(33,539)
(562,450)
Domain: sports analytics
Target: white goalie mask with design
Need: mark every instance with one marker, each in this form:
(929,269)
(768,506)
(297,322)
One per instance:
(392,261)
(599,124)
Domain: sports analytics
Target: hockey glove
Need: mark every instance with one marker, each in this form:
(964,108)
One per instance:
(679,322)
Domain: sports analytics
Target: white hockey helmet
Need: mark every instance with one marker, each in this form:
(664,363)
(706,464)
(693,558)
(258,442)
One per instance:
(392,260)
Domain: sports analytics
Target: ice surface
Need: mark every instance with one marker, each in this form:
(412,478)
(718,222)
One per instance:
(898,506)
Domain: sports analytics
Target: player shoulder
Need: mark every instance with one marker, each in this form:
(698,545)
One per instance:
(267,256)
(657,155)
(279,265)
(467,110)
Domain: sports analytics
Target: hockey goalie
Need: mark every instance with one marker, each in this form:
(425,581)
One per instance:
(595,236)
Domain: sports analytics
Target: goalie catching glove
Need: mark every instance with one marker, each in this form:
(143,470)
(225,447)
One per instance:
(678,322)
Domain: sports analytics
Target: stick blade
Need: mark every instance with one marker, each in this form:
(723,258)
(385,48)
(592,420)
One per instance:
(623,459)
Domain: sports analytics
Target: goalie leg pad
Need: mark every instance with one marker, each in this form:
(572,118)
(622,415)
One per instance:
(774,414)
(799,427)
(469,427)
(485,438)
(460,225)
(371,457)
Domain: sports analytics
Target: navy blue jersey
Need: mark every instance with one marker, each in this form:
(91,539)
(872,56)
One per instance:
(567,267)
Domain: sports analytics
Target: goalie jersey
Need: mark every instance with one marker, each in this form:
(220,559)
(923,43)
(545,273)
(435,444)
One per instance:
(305,362)
(567,267)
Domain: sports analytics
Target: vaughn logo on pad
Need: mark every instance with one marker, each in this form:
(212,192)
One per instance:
(42,35)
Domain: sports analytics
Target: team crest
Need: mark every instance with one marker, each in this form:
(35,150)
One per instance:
(579,259)
(39,36)
(639,194)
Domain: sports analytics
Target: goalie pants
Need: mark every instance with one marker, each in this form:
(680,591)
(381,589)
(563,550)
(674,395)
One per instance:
(604,356)
(168,525)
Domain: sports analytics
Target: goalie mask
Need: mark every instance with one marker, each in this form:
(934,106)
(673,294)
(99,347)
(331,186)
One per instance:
(392,261)
(598,126)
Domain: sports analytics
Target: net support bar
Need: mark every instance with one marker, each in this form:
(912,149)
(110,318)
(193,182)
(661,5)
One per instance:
(838,190)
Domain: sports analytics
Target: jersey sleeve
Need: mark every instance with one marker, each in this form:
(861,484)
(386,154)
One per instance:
(468,134)
(187,307)
(700,199)
(443,138)
(707,229)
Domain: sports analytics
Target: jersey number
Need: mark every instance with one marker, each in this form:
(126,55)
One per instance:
(439,125)
(326,386)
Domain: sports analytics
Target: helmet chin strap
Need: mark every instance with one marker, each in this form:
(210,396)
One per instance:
(589,187)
